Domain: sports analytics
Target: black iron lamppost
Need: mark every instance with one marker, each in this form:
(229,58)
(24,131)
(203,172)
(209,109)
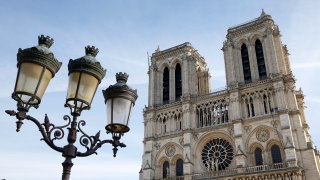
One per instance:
(37,66)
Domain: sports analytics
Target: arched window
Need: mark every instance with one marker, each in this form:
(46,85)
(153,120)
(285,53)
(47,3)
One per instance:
(226,114)
(164,125)
(165,91)
(178,81)
(276,154)
(252,107)
(258,156)
(260,60)
(179,167)
(248,108)
(265,104)
(245,64)
(165,169)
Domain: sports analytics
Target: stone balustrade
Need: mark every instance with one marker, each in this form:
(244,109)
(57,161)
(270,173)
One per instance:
(241,171)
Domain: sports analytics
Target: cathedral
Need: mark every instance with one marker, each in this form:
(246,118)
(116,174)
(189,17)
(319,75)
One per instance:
(253,129)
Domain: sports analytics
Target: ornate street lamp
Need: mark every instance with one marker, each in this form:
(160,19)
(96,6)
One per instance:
(37,66)
(119,99)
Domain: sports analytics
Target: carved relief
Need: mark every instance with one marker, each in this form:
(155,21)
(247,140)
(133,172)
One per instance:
(275,123)
(263,135)
(181,141)
(170,150)
(194,135)
(247,128)
(231,129)
(157,145)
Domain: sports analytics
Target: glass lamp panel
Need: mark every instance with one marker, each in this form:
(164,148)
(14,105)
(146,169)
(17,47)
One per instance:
(87,88)
(47,76)
(73,83)
(28,80)
(121,110)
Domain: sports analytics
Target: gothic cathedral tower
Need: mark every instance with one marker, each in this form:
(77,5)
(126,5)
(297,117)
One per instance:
(254,129)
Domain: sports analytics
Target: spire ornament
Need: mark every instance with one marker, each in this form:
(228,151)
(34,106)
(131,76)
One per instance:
(263,13)
(158,49)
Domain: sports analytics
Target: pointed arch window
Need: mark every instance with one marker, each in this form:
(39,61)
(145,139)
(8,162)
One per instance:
(245,64)
(248,108)
(165,91)
(258,156)
(165,169)
(178,81)
(260,60)
(179,167)
(252,107)
(276,154)
(266,104)
(164,125)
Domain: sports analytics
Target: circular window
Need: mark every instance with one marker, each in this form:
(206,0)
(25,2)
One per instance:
(217,154)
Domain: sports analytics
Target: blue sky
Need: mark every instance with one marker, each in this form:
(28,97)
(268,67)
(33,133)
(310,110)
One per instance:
(124,31)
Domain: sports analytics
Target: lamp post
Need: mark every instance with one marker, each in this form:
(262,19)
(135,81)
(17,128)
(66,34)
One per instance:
(37,66)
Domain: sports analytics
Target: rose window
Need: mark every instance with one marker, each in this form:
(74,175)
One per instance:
(217,154)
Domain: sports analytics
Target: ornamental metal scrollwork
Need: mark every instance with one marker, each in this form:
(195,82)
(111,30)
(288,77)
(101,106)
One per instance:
(170,150)
(217,154)
(263,135)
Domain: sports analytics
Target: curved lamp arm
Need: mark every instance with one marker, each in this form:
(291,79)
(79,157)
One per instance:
(46,129)
(93,143)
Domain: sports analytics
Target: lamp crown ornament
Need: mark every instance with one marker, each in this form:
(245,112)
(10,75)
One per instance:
(91,50)
(122,77)
(46,41)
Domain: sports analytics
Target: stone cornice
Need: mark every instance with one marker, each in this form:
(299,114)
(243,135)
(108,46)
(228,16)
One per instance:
(178,134)
(253,25)
(256,84)
(177,50)
(217,95)
(258,117)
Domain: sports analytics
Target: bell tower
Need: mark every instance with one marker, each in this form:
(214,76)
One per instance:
(177,72)
(253,51)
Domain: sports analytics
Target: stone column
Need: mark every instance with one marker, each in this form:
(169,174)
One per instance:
(185,76)
(253,62)
(284,117)
(151,87)
(266,56)
(239,69)
(278,50)
(270,51)
(188,120)
(149,127)
(158,87)
(187,156)
(148,171)
(234,106)
(239,144)
(172,94)
(229,62)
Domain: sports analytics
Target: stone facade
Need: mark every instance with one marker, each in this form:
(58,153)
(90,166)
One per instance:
(253,129)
